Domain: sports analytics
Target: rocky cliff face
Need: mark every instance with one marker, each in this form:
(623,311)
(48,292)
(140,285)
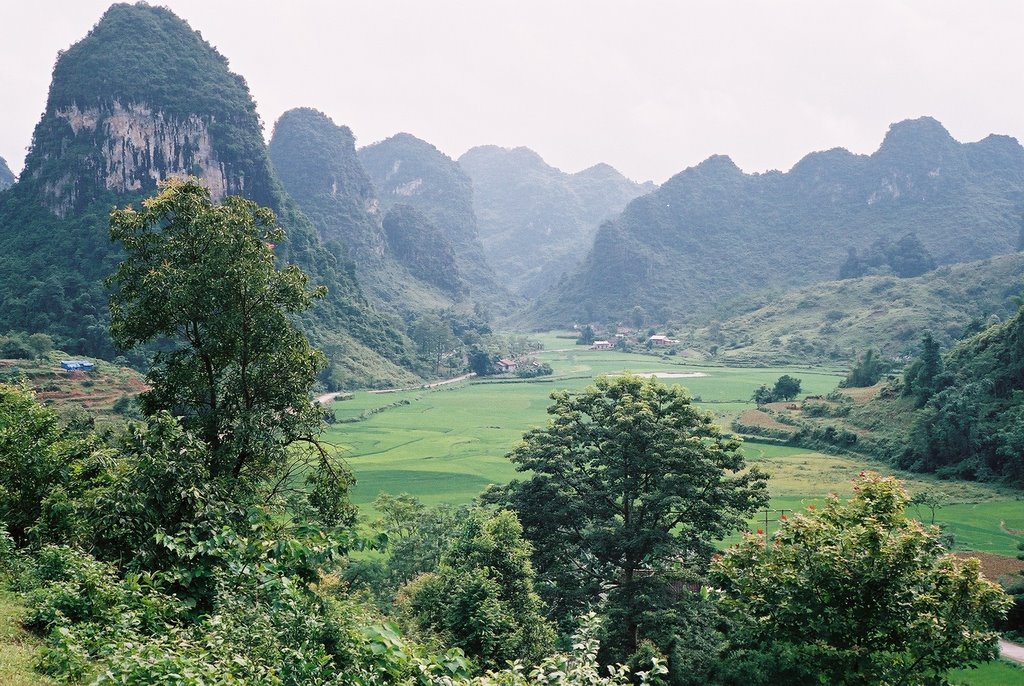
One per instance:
(139,148)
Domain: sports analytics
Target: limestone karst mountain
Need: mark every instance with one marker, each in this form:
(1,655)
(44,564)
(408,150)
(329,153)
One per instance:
(140,99)
(401,258)
(712,234)
(536,222)
(408,171)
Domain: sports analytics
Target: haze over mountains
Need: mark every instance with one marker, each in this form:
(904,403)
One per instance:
(402,259)
(712,233)
(537,221)
(409,171)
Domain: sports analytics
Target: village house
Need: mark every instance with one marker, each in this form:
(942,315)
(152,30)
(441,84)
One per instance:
(505,365)
(662,340)
(602,345)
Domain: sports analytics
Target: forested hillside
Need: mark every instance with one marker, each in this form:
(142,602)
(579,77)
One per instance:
(6,175)
(408,171)
(537,222)
(402,260)
(712,234)
(968,407)
(839,319)
(140,99)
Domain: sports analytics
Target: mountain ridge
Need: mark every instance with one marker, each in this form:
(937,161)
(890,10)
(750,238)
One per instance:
(535,220)
(713,233)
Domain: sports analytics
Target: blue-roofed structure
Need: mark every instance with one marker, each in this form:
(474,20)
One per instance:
(77,365)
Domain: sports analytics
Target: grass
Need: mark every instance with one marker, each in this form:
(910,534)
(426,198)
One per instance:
(448,444)
(997,673)
(18,648)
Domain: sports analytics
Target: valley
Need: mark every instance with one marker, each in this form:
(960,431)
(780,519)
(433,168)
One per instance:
(316,399)
(446,445)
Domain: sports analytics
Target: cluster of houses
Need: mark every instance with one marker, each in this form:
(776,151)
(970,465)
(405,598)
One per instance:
(658,340)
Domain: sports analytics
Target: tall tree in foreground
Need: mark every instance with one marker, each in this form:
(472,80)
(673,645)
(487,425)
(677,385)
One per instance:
(856,593)
(631,487)
(200,280)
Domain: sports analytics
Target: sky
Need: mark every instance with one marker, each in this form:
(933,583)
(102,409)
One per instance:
(648,86)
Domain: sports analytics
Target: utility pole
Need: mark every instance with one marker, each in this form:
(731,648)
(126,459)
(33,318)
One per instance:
(781,517)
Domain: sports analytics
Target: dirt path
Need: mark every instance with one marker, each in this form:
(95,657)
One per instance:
(1011,651)
(427,385)
(329,397)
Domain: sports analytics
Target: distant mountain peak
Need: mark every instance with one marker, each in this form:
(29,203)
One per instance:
(922,133)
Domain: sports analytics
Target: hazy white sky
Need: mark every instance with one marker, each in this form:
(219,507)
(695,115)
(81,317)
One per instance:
(648,86)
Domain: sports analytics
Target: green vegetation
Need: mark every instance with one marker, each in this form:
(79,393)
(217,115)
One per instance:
(997,673)
(712,235)
(854,593)
(631,488)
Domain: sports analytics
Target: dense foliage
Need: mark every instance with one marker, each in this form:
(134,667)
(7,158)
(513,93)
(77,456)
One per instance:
(631,487)
(712,234)
(480,596)
(905,258)
(854,593)
(970,406)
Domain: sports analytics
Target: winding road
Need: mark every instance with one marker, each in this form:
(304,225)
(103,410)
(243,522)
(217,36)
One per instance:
(1011,651)
(329,397)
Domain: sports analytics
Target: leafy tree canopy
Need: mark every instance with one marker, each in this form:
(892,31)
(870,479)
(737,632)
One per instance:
(631,487)
(856,593)
(202,277)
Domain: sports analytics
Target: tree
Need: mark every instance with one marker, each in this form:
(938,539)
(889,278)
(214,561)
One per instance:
(631,485)
(856,593)
(481,362)
(586,336)
(786,388)
(763,395)
(433,337)
(481,597)
(201,279)
(921,380)
(867,372)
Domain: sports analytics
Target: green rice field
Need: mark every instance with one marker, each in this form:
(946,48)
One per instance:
(449,443)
